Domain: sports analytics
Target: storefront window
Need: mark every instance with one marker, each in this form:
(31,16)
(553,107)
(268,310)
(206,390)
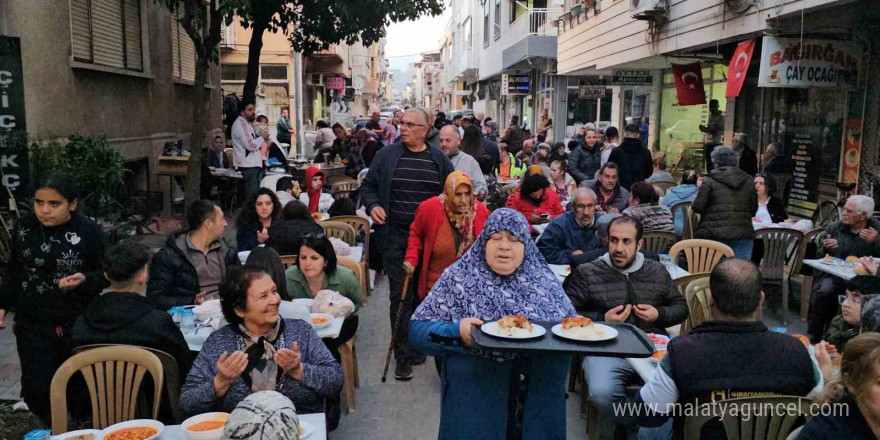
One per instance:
(585,110)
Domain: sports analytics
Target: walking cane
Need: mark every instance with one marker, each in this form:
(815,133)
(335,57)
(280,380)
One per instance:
(394,330)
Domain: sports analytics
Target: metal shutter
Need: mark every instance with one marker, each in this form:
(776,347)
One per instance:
(108,33)
(133,49)
(80,30)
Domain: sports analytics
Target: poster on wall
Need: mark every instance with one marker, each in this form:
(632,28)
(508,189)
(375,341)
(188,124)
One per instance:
(807,168)
(14,165)
(786,62)
(852,151)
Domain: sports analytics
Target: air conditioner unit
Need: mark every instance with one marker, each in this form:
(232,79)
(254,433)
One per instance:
(647,9)
(550,67)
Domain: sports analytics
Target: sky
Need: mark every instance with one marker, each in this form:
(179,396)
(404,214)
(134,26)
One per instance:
(414,37)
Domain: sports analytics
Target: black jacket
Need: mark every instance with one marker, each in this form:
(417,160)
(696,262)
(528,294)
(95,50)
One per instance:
(779,165)
(218,161)
(285,236)
(514,139)
(583,162)
(776,209)
(846,422)
(173,278)
(129,319)
(594,288)
(748,161)
(634,160)
(727,201)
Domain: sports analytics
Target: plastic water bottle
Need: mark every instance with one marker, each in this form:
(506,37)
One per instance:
(187,320)
(779,329)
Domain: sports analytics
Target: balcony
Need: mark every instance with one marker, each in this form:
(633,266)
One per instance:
(331,55)
(532,35)
(227,37)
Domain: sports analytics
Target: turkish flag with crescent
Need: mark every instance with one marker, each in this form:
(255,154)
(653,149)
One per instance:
(689,84)
(739,65)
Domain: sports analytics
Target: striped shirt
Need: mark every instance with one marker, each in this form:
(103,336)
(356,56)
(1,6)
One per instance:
(416,179)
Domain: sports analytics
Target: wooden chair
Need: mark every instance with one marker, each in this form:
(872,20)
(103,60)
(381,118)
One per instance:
(113,376)
(336,178)
(172,376)
(658,242)
(686,209)
(344,188)
(750,418)
(360,224)
(780,247)
(289,260)
(347,351)
(804,283)
(698,304)
(663,187)
(339,230)
(702,255)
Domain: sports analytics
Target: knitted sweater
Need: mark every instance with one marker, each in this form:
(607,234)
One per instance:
(652,217)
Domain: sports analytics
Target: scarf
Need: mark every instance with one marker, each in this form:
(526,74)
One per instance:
(493,133)
(469,288)
(266,415)
(463,221)
(260,350)
(314,194)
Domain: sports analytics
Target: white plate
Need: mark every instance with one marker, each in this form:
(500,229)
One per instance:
(609,334)
(71,434)
(563,272)
(492,329)
(307,428)
(133,423)
(322,315)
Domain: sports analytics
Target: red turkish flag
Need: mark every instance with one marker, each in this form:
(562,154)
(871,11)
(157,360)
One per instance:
(689,84)
(739,65)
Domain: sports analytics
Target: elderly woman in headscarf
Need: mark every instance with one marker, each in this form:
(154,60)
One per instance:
(502,274)
(491,129)
(437,243)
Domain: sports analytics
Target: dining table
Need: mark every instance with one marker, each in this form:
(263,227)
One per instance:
(562,271)
(316,420)
(197,337)
(837,267)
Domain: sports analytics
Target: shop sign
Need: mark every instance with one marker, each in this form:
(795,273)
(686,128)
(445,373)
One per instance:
(335,83)
(13,130)
(587,92)
(625,77)
(790,62)
(515,85)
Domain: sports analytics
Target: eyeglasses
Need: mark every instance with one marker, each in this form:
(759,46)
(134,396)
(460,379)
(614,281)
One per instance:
(582,206)
(410,125)
(857,300)
(318,235)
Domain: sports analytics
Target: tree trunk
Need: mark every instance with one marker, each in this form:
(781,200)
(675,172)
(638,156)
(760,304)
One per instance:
(255,46)
(194,166)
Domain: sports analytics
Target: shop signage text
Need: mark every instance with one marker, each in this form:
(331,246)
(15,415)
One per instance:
(335,83)
(586,92)
(786,62)
(515,85)
(13,130)
(623,77)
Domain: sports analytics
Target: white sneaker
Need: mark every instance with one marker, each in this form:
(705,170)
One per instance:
(20,406)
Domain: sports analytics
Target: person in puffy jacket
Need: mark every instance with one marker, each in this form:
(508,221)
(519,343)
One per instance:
(685,192)
(634,160)
(585,160)
(644,206)
(727,201)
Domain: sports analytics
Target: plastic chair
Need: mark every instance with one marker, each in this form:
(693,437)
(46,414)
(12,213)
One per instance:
(780,246)
(347,351)
(172,376)
(113,376)
(663,187)
(339,230)
(698,304)
(343,189)
(750,418)
(360,224)
(687,213)
(702,255)
(336,178)
(658,242)
(803,282)
(682,284)
(289,260)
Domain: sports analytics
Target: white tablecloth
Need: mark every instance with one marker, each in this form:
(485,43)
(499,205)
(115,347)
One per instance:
(195,339)
(674,270)
(837,269)
(175,432)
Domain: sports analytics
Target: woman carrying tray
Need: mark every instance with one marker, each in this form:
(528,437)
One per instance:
(502,274)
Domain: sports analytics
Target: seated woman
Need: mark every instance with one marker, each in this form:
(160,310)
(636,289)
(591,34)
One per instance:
(315,196)
(502,274)
(286,233)
(535,200)
(255,219)
(563,183)
(317,270)
(684,192)
(268,260)
(259,351)
(644,206)
(770,209)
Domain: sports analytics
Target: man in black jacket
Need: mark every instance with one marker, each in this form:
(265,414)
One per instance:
(189,269)
(632,157)
(622,286)
(124,315)
(733,355)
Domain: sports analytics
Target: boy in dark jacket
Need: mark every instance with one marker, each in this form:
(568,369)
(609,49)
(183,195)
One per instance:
(124,315)
(632,157)
(189,269)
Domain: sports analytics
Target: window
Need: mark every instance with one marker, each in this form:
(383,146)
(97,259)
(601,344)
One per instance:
(233,72)
(497,19)
(270,72)
(486,24)
(468,38)
(107,33)
(183,51)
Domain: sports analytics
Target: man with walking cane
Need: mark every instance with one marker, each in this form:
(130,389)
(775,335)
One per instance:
(402,176)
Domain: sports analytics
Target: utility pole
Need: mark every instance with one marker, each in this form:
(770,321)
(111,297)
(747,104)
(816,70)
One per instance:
(300,145)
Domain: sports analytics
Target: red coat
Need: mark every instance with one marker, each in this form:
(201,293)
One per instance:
(423,231)
(549,205)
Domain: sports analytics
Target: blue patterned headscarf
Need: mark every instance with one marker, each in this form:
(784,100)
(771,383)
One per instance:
(470,289)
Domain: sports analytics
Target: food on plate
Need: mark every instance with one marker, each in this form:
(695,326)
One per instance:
(514,324)
(133,433)
(658,339)
(576,321)
(803,338)
(301,431)
(319,320)
(82,437)
(207,425)
(827,258)
(658,355)
(852,258)
(860,269)
(581,328)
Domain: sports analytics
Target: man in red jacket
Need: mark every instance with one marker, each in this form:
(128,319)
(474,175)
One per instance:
(437,243)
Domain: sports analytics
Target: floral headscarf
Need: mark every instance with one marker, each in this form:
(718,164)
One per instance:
(493,133)
(469,288)
(464,221)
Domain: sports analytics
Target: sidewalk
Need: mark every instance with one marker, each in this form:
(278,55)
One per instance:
(10,369)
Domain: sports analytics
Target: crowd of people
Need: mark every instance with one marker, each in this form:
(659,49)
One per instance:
(472,216)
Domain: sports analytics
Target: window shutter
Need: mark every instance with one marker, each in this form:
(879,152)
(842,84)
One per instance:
(183,50)
(133,48)
(80,30)
(108,34)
